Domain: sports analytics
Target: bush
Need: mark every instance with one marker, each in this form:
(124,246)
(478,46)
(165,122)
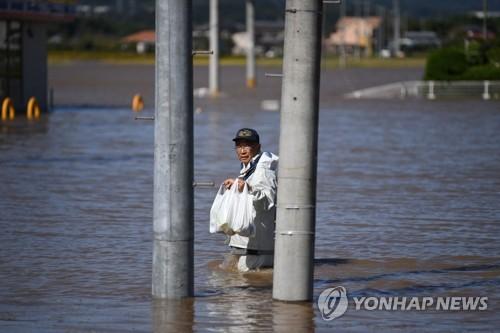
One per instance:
(484,72)
(481,62)
(494,56)
(475,53)
(446,64)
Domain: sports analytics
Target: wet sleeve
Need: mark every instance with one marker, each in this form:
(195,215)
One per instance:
(263,188)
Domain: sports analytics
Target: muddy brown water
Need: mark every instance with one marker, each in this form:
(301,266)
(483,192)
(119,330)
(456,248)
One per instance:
(408,205)
(97,84)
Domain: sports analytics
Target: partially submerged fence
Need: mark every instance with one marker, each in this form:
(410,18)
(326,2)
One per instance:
(433,90)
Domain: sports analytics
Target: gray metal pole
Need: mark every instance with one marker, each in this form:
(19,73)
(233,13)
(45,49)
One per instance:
(173,153)
(213,75)
(295,220)
(397,27)
(250,23)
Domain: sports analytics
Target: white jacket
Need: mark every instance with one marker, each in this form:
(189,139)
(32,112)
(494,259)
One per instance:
(263,187)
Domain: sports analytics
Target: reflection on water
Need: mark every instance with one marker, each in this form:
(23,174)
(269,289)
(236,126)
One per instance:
(298,317)
(408,197)
(173,315)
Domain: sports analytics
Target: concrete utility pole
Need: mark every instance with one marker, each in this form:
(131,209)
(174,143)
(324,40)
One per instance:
(296,213)
(173,154)
(250,22)
(213,75)
(397,28)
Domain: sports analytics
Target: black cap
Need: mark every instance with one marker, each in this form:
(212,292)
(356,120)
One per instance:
(248,134)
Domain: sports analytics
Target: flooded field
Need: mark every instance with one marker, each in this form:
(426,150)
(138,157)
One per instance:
(91,84)
(408,205)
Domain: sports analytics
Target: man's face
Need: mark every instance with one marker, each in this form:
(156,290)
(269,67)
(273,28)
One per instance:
(246,150)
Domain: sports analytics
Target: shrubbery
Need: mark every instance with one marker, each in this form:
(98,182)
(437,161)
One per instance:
(446,64)
(482,72)
(494,56)
(478,62)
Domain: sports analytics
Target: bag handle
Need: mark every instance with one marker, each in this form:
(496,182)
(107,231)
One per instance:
(235,188)
(221,190)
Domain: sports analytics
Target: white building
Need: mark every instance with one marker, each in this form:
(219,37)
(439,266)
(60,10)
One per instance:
(269,38)
(354,32)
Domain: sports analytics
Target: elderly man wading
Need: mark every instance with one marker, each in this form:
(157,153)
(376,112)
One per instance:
(258,170)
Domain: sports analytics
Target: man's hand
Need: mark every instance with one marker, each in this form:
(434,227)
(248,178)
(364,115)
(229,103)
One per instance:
(227,230)
(229,182)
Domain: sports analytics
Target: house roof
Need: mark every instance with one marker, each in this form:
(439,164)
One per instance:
(371,22)
(147,36)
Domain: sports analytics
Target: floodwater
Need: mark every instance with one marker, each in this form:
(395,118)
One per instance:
(408,205)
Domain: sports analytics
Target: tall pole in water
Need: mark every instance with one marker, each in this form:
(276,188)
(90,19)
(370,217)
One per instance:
(213,75)
(397,28)
(173,153)
(250,23)
(296,213)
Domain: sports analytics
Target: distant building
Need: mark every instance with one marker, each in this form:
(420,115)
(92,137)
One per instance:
(480,14)
(23,45)
(353,32)
(89,10)
(144,41)
(419,41)
(269,38)
(474,32)
(121,7)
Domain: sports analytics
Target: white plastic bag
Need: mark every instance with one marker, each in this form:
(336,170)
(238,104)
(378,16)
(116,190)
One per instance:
(220,213)
(244,214)
(233,212)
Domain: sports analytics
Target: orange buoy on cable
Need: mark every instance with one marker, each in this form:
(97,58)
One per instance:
(137,103)
(8,111)
(33,111)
